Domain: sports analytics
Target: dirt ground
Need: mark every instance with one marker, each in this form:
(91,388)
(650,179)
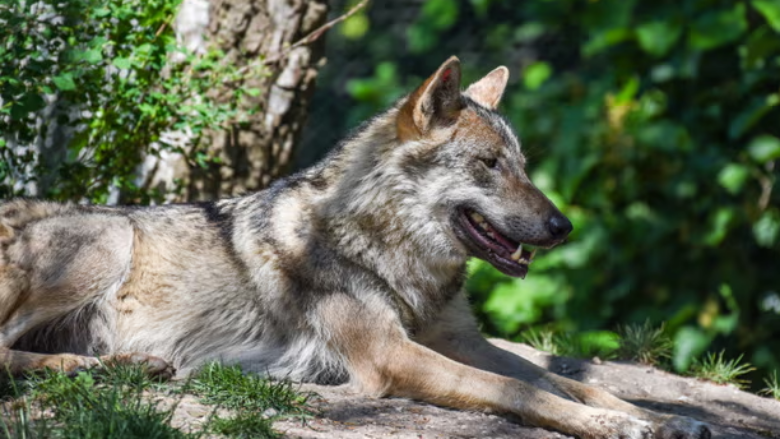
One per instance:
(730,412)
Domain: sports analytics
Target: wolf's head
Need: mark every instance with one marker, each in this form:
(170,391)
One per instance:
(470,171)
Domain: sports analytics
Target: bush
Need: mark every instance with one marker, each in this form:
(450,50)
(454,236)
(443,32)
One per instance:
(87,88)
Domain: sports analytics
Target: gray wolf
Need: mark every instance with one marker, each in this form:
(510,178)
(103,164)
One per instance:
(350,271)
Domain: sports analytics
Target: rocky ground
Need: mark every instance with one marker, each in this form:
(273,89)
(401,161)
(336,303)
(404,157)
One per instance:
(731,413)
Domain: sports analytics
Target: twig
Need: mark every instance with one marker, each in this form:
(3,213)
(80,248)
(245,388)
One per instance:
(162,28)
(316,34)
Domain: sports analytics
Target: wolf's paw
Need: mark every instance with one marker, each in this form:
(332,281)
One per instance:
(617,425)
(154,366)
(70,364)
(681,427)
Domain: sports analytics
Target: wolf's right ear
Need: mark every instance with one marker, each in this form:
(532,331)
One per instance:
(436,103)
(488,90)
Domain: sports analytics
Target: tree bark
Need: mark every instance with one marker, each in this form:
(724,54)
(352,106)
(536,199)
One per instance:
(254,153)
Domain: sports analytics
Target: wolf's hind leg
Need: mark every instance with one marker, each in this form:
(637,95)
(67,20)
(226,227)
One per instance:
(58,265)
(14,286)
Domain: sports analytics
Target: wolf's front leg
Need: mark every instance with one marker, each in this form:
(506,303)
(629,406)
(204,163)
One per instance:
(455,336)
(385,362)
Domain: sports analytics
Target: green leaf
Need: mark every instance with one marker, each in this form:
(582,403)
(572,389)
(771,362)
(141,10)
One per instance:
(628,92)
(689,342)
(101,12)
(440,14)
(764,148)
(658,37)
(98,42)
(355,27)
(122,63)
(603,40)
(770,9)
(64,82)
(767,228)
(717,28)
(93,56)
(733,176)
(751,115)
(529,32)
(719,226)
(536,74)
(759,48)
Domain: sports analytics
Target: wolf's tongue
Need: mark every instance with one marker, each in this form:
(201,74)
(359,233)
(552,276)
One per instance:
(504,241)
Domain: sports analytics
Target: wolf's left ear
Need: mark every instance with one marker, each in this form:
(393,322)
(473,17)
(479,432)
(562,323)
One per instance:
(435,103)
(488,90)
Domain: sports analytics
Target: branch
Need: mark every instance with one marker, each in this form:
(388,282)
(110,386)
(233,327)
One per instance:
(316,34)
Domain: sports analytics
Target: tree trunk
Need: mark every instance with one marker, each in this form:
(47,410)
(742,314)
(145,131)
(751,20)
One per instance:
(254,153)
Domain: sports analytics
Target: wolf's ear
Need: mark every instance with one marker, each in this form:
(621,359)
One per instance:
(434,104)
(488,90)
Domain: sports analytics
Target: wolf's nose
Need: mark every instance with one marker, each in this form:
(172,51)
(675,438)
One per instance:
(559,226)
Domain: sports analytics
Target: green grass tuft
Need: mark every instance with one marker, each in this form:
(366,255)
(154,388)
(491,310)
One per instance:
(718,370)
(231,388)
(644,344)
(115,403)
(772,388)
(112,405)
(543,340)
(244,425)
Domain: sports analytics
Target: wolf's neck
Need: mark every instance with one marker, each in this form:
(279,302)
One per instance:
(370,214)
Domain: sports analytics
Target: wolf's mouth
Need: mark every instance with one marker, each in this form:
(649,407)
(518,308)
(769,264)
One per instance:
(486,242)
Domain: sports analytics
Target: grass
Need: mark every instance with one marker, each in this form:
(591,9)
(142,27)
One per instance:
(713,367)
(231,388)
(644,344)
(117,403)
(243,425)
(543,340)
(112,405)
(772,388)
(587,344)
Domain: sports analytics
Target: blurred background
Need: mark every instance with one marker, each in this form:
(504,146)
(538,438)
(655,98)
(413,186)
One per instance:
(655,126)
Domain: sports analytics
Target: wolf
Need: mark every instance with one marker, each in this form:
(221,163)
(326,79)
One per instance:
(350,271)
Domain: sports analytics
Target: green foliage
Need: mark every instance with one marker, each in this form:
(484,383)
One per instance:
(54,405)
(106,71)
(544,340)
(653,125)
(772,388)
(255,400)
(644,344)
(713,367)
(589,344)
(230,387)
(244,425)
(115,402)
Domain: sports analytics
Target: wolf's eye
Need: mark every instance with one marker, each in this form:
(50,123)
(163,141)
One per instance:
(490,162)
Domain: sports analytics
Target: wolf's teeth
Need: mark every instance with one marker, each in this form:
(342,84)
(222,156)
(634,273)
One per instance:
(477,217)
(519,252)
(533,253)
(490,234)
